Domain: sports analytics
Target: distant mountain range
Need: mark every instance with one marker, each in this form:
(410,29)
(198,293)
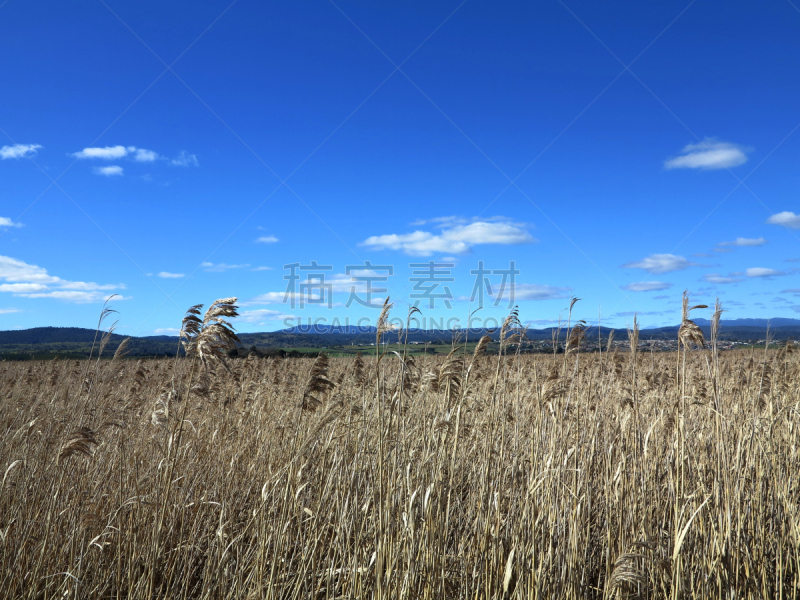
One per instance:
(76,342)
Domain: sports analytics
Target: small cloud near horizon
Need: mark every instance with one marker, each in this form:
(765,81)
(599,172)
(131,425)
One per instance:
(661,263)
(720,279)
(647,286)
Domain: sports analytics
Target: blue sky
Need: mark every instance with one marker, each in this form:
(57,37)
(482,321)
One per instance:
(175,153)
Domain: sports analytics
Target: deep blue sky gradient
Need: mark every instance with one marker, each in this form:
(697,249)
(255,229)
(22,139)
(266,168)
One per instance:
(487,93)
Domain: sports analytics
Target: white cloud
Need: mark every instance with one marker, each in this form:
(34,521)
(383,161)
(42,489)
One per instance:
(31,281)
(660,263)
(717,278)
(185,159)
(89,286)
(167,331)
(14,270)
(142,155)
(532,291)
(106,153)
(18,151)
(262,269)
(455,238)
(75,297)
(267,239)
(260,315)
(6,222)
(709,154)
(762,272)
(8,311)
(220,267)
(268,298)
(339,284)
(109,171)
(647,286)
(22,288)
(165,275)
(785,218)
(117,152)
(745,242)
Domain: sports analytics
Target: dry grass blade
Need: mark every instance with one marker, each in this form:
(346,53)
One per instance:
(626,570)
(318,384)
(212,337)
(480,348)
(510,332)
(81,441)
(576,337)
(689,332)
(122,349)
(450,375)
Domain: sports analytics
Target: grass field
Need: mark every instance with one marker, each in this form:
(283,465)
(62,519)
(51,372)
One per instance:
(608,475)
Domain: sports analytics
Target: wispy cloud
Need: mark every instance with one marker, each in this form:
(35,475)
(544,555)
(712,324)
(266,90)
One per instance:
(166,275)
(19,151)
(117,152)
(267,239)
(660,263)
(142,155)
(745,242)
(76,297)
(709,154)
(455,237)
(647,286)
(106,153)
(167,331)
(184,159)
(720,279)
(31,281)
(262,269)
(261,315)
(762,272)
(785,218)
(220,267)
(22,288)
(8,311)
(110,171)
(649,313)
(6,222)
(532,291)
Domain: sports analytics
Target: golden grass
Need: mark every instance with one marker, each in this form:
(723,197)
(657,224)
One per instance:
(533,476)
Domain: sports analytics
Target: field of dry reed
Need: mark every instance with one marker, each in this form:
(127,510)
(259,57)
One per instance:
(570,475)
